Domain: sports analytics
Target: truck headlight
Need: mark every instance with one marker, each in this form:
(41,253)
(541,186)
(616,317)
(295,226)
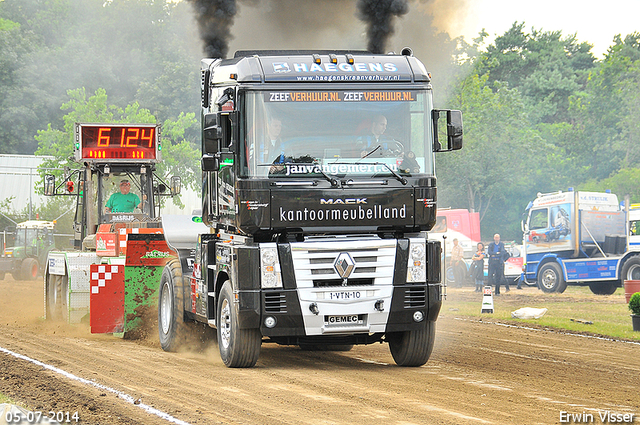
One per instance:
(270,276)
(417,264)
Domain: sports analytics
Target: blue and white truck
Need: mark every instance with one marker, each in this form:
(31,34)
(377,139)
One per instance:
(578,238)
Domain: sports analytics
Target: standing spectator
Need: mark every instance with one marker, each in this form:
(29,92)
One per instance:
(497,256)
(478,266)
(457,261)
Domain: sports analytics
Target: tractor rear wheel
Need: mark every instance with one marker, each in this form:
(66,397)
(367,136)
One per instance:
(171,325)
(56,293)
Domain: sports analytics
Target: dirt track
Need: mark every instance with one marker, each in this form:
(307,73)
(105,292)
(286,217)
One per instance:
(480,372)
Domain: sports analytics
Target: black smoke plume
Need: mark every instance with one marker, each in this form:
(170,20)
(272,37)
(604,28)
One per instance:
(215,18)
(378,16)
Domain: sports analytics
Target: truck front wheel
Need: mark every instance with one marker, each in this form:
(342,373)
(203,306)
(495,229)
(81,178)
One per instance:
(171,326)
(412,348)
(550,278)
(238,347)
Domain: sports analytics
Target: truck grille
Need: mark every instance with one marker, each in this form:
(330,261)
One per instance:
(275,302)
(415,297)
(374,261)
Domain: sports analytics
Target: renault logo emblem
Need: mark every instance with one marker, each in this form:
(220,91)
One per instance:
(344,265)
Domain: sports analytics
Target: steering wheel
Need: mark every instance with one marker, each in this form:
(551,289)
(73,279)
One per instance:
(395,149)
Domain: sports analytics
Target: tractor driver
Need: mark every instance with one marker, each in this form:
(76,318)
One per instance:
(123,201)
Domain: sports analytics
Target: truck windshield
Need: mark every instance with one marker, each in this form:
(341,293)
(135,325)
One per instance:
(359,134)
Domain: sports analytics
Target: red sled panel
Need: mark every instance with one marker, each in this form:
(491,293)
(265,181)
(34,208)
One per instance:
(106,314)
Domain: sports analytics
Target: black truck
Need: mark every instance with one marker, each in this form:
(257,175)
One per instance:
(318,188)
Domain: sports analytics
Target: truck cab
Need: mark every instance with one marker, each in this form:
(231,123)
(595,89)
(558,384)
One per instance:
(578,238)
(318,189)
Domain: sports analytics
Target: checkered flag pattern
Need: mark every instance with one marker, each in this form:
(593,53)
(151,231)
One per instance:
(100,278)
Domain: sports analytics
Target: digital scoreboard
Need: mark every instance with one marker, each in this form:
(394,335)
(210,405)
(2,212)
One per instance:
(117,142)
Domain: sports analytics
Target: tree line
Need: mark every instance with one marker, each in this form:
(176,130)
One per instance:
(541,113)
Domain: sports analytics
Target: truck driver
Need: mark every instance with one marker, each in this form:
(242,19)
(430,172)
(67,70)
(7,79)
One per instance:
(123,201)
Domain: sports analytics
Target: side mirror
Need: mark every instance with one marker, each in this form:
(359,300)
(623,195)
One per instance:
(454,130)
(212,133)
(176,185)
(210,163)
(49,185)
(453,133)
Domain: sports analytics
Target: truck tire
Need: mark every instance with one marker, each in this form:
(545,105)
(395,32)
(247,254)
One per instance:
(171,325)
(57,299)
(29,269)
(631,269)
(238,347)
(412,348)
(604,288)
(550,278)
(449,276)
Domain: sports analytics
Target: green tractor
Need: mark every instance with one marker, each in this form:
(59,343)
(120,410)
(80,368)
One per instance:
(25,249)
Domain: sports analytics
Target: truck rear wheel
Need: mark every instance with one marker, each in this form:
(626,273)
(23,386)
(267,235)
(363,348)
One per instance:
(171,326)
(238,347)
(604,288)
(412,348)
(56,293)
(29,269)
(550,278)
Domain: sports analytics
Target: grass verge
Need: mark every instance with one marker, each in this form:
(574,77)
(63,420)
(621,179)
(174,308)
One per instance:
(576,310)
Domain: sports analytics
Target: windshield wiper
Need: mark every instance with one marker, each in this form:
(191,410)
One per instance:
(376,148)
(396,175)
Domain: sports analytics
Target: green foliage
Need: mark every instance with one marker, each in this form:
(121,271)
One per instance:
(545,67)
(623,182)
(492,166)
(634,304)
(137,50)
(180,156)
(541,115)
(540,112)
(606,113)
(82,109)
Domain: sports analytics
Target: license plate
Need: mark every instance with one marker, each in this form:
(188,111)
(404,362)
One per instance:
(345,295)
(349,319)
